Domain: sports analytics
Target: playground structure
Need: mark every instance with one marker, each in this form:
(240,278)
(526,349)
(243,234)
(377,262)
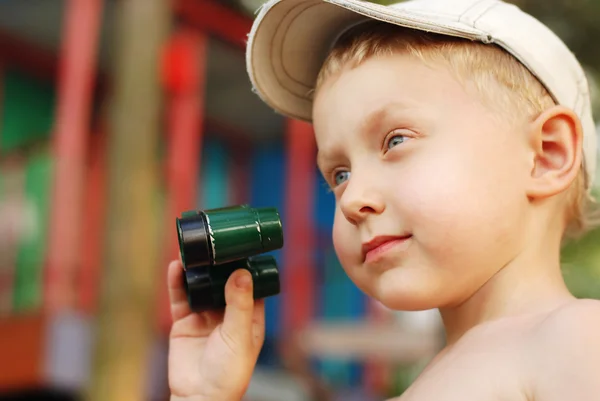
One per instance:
(115,117)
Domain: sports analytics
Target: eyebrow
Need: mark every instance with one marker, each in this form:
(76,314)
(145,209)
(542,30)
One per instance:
(374,121)
(322,157)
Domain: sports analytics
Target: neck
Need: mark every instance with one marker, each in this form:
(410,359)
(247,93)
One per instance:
(530,283)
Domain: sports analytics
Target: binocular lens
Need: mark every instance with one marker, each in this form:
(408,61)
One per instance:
(223,235)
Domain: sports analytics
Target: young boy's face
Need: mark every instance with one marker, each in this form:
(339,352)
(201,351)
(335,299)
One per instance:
(415,157)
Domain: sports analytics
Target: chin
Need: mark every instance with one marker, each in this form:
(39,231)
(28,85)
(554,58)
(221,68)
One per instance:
(399,290)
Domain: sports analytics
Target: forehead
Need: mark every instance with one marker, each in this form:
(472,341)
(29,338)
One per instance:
(363,96)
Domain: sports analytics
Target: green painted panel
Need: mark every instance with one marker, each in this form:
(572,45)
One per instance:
(27,111)
(32,249)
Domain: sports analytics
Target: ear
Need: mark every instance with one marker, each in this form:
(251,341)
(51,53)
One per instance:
(556,139)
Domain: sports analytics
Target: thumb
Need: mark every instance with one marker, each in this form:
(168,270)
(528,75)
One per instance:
(237,322)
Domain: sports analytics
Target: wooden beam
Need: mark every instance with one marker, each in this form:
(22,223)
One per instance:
(132,268)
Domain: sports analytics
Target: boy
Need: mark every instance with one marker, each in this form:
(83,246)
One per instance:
(458,139)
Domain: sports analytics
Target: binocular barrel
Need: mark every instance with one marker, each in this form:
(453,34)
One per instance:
(214,243)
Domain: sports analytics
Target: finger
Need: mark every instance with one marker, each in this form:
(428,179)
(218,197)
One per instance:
(239,313)
(258,323)
(177,295)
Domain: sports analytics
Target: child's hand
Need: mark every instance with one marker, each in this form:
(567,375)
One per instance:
(212,354)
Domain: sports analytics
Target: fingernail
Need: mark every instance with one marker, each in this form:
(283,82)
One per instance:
(242,281)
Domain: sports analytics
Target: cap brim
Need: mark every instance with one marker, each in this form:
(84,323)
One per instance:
(290,40)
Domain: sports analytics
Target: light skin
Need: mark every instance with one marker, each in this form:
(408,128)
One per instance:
(468,206)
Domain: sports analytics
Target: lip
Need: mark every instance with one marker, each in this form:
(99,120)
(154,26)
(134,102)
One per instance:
(381,244)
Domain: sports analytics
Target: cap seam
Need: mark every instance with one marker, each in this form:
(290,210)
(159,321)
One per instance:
(492,4)
(471,7)
(382,13)
(255,82)
(284,35)
(262,12)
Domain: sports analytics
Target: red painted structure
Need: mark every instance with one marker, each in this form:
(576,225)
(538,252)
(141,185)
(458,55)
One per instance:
(94,215)
(298,290)
(77,71)
(298,282)
(184,71)
(78,202)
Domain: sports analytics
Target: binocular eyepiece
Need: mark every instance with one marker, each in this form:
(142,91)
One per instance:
(215,243)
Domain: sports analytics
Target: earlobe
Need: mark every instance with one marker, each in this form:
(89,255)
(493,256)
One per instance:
(556,137)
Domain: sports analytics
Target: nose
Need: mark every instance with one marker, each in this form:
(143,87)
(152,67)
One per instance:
(359,201)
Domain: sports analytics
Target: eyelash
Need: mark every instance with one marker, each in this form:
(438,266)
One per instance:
(328,188)
(393,134)
(386,143)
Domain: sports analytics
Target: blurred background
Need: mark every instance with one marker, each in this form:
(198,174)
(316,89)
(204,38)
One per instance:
(116,116)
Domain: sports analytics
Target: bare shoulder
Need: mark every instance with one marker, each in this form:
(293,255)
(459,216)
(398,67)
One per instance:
(565,351)
(579,319)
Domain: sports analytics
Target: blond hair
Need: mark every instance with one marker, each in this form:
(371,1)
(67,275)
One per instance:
(484,66)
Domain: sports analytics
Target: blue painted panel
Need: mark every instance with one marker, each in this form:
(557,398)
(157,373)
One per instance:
(267,190)
(214,191)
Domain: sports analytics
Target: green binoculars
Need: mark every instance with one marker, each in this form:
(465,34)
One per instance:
(215,243)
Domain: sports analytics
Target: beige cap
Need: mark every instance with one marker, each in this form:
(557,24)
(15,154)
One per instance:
(291,38)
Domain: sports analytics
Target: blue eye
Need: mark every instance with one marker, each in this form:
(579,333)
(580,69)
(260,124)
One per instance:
(395,140)
(341,176)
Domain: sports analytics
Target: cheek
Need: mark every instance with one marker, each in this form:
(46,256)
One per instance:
(480,178)
(347,248)
(343,239)
(464,203)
